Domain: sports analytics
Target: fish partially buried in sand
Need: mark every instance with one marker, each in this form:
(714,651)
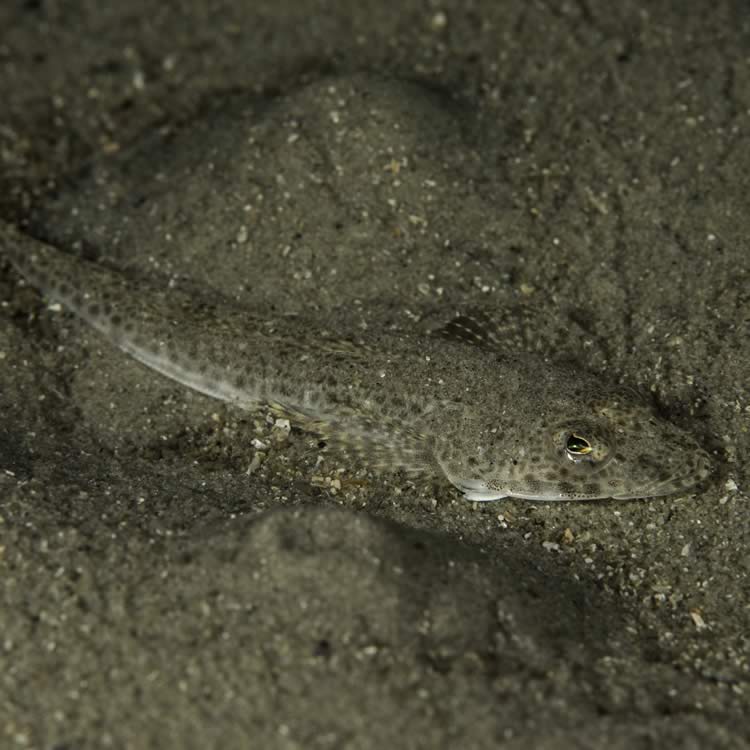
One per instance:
(495,425)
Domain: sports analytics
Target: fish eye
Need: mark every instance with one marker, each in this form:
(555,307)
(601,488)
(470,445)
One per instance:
(577,446)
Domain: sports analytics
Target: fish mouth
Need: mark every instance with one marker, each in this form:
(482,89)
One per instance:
(478,490)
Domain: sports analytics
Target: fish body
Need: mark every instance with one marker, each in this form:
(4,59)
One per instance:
(494,424)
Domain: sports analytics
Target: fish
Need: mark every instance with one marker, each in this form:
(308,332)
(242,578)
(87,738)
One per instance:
(452,403)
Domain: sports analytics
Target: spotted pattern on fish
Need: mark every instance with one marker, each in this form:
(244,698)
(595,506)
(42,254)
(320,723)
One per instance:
(456,404)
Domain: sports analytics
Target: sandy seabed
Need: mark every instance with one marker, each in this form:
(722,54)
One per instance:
(177,574)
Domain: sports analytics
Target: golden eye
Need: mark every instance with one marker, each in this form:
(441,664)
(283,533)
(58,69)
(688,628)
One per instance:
(577,445)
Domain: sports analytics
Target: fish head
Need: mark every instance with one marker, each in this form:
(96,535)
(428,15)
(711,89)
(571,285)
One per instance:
(573,448)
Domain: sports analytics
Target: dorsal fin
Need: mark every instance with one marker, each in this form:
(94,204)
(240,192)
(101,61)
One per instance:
(503,332)
(526,328)
(475,327)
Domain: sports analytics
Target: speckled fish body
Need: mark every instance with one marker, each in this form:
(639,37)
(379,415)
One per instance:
(494,424)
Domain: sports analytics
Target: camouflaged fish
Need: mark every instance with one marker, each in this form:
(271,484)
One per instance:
(455,405)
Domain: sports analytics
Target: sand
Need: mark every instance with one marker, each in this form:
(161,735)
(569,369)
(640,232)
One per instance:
(580,169)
